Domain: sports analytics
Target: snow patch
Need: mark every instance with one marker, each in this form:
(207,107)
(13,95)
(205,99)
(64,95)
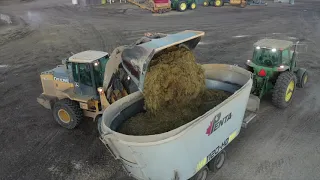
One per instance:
(4,66)
(240,36)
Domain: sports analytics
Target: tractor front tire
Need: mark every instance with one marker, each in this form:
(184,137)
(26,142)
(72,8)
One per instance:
(193,6)
(218,3)
(182,6)
(206,3)
(284,90)
(67,113)
(302,76)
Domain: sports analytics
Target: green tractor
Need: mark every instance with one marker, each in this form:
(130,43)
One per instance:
(183,5)
(275,70)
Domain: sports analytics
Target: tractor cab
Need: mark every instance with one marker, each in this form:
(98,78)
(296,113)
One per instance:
(271,56)
(86,69)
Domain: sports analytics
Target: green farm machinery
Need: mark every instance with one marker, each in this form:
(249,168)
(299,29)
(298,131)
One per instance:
(183,5)
(275,70)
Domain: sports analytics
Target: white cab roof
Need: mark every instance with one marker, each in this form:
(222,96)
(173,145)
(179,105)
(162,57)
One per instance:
(87,56)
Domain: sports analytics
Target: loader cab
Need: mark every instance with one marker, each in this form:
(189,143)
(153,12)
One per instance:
(87,71)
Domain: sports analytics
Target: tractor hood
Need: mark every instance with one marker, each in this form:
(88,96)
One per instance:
(136,58)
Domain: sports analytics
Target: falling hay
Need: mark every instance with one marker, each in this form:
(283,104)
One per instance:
(174,79)
(174,93)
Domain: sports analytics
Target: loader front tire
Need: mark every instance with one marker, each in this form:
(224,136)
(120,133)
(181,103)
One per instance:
(67,113)
(284,90)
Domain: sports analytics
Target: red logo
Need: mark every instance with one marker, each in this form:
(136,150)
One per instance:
(217,122)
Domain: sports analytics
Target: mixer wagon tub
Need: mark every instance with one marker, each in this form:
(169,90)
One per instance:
(190,150)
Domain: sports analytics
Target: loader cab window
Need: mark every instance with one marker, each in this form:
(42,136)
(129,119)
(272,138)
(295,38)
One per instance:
(99,67)
(82,73)
(266,57)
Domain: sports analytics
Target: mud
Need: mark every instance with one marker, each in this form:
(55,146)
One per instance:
(173,80)
(167,119)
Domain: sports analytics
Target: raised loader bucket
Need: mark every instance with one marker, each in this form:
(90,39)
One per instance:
(136,58)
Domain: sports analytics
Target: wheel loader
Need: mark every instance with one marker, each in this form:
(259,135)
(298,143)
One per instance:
(88,82)
(275,70)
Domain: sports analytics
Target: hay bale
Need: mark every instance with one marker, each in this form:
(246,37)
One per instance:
(167,119)
(173,80)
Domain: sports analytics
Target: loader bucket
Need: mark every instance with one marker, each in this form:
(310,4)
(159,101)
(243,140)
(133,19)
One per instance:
(136,58)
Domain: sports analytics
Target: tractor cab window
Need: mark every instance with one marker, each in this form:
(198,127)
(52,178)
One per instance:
(286,56)
(99,69)
(266,57)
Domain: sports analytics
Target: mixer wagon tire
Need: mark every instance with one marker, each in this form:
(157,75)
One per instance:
(193,6)
(182,6)
(67,113)
(201,175)
(284,90)
(218,3)
(302,78)
(217,162)
(206,3)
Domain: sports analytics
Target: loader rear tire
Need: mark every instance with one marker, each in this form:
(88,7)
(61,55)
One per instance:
(201,175)
(217,162)
(284,90)
(67,113)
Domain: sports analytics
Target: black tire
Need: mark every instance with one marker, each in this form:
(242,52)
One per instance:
(302,78)
(206,3)
(193,6)
(201,175)
(281,90)
(218,3)
(73,110)
(218,161)
(182,4)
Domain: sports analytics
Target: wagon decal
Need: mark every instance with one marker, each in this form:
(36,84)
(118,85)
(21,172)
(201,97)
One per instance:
(217,122)
(216,151)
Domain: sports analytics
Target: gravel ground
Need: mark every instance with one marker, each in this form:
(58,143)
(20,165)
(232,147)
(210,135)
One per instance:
(281,144)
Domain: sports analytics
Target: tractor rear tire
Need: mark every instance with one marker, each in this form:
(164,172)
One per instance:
(202,174)
(182,6)
(193,6)
(218,3)
(302,76)
(67,113)
(284,90)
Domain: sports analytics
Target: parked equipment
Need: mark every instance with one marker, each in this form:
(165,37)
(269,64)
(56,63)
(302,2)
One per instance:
(183,5)
(175,155)
(155,6)
(275,70)
(220,3)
